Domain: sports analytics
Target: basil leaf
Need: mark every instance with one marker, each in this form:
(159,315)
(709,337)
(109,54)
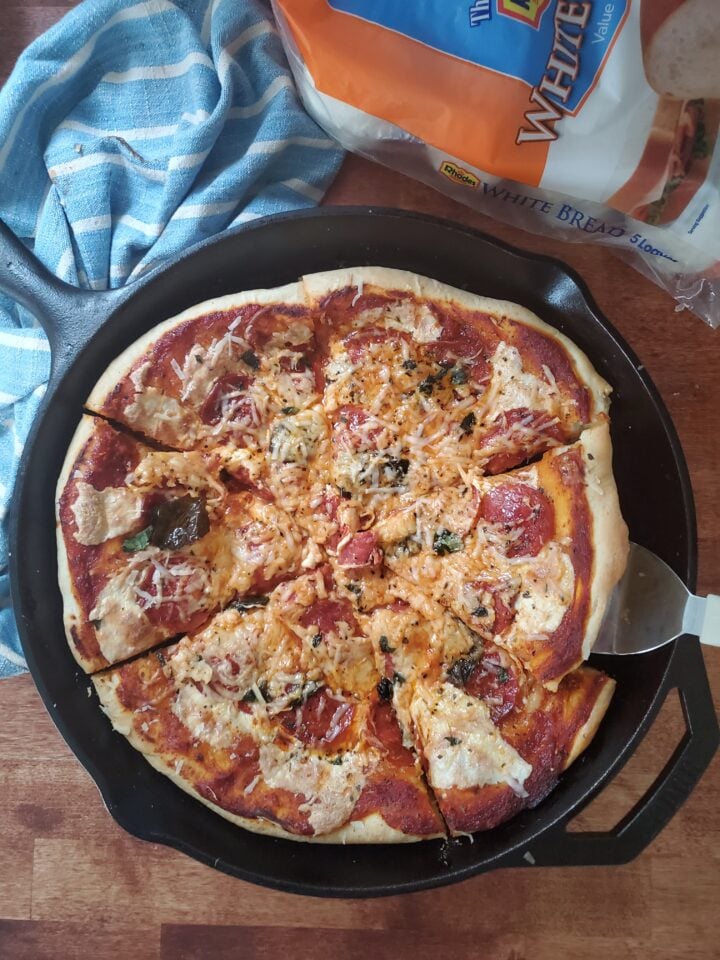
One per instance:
(445,541)
(250,359)
(139,541)
(467,423)
(289,411)
(177,523)
(247,603)
(384,689)
(461,671)
(397,467)
(459,376)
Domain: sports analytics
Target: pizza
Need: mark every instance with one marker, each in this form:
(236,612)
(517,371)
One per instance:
(513,554)
(493,739)
(152,543)
(335,555)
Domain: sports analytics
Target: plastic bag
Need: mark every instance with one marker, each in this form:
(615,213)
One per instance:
(587,121)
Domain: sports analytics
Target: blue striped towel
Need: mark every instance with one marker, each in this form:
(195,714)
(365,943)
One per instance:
(128,132)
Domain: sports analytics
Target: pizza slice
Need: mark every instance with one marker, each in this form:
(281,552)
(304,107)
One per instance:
(272,716)
(151,543)
(493,740)
(528,558)
(422,380)
(219,373)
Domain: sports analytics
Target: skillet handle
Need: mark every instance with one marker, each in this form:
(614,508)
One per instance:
(671,788)
(69,316)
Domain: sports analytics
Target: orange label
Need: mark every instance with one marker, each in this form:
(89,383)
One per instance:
(458,174)
(529,11)
(449,103)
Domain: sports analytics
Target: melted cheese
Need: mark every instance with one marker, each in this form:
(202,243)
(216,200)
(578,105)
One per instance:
(295,438)
(416,319)
(373,472)
(229,635)
(312,556)
(103,514)
(512,387)
(239,459)
(269,542)
(292,388)
(481,756)
(209,719)
(188,470)
(294,334)
(202,367)
(547,591)
(151,410)
(123,626)
(330,790)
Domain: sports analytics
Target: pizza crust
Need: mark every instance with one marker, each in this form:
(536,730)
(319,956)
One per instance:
(588,730)
(72,612)
(291,294)
(372,829)
(610,533)
(319,285)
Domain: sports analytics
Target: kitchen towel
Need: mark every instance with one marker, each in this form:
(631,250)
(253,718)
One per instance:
(128,132)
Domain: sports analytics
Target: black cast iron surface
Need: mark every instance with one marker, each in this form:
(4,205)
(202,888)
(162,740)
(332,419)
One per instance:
(87,331)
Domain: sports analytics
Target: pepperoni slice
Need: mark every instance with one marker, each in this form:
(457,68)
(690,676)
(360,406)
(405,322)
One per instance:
(520,505)
(495,683)
(503,614)
(172,593)
(361,552)
(326,614)
(357,343)
(535,421)
(265,323)
(383,727)
(460,341)
(350,418)
(225,669)
(322,719)
(226,393)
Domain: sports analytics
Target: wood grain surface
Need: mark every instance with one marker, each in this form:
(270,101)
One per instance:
(74,885)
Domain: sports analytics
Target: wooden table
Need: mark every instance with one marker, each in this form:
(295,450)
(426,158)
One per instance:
(74,885)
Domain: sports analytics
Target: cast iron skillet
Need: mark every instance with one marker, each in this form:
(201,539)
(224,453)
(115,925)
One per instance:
(87,330)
